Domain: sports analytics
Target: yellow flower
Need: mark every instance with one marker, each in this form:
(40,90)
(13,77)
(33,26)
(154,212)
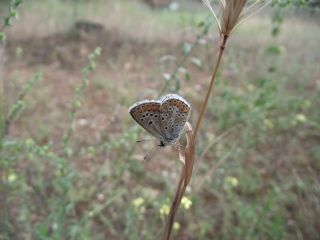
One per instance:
(301,118)
(186,202)
(232,181)
(176,226)
(164,210)
(138,202)
(12,177)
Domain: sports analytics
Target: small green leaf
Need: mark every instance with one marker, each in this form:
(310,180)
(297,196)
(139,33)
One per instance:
(13,14)
(196,61)
(97,51)
(182,70)
(186,48)
(274,50)
(3,37)
(187,76)
(167,58)
(177,84)
(167,76)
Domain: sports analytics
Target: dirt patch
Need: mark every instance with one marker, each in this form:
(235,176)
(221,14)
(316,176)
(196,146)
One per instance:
(71,49)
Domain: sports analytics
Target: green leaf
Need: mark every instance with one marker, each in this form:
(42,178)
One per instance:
(167,76)
(187,76)
(196,61)
(186,48)
(177,84)
(3,37)
(273,50)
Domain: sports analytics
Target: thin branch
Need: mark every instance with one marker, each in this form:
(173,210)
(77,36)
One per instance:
(216,140)
(212,170)
(213,78)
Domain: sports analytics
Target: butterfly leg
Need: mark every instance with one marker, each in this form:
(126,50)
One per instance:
(151,152)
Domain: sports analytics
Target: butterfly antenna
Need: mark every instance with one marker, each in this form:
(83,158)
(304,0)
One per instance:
(143,140)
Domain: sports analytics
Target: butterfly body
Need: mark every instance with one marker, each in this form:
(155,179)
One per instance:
(164,118)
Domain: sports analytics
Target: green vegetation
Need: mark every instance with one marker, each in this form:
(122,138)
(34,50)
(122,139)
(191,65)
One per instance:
(70,166)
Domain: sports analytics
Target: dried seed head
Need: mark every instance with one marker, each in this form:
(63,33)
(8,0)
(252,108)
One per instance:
(230,14)
(233,11)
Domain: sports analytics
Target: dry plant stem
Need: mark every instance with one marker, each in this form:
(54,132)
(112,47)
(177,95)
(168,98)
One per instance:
(174,207)
(213,78)
(190,150)
(187,157)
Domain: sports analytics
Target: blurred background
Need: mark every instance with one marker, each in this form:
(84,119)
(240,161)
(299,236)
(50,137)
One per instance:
(69,163)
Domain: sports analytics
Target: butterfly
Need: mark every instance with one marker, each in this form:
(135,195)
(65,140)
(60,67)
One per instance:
(164,118)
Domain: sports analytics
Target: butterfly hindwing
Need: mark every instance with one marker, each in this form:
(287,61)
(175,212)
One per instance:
(174,113)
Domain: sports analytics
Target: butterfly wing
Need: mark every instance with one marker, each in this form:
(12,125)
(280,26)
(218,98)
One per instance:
(146,113)
(174,113)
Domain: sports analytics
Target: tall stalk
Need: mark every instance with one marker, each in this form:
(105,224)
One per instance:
(189,153)
(232,13)
(213,78)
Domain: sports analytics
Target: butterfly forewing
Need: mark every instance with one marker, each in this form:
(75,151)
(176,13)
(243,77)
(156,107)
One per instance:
(146,113)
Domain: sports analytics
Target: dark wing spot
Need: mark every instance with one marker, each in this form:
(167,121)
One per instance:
(150,122)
